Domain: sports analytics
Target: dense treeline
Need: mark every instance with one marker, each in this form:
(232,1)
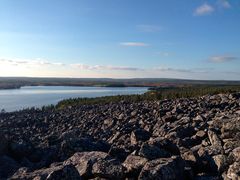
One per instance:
(154,94)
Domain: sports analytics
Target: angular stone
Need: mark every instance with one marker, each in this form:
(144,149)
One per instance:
(139,135)
(169,118)
(201,134)
(152,152)
(189,157)
(84,161)
(214,139)
(134,164)
(68,172)
(109,168)
(165,144)
(221,162)
(118,152)
(54,173)
(164,168)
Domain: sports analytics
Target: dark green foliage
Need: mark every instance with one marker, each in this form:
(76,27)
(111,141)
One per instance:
(157,94)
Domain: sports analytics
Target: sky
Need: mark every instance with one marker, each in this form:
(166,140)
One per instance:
(187,39)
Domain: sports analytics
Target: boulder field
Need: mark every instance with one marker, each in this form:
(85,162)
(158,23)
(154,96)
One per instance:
(192,138)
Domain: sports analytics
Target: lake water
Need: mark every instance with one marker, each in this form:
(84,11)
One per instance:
(38,96)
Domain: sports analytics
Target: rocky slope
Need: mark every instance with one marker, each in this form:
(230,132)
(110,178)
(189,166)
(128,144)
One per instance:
(195,138)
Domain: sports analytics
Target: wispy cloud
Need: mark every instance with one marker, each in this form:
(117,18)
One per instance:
(168,69)
(43,68)
(223,4)
(108,67)
(222,58)
(149,28)
(164,53)
(134,44)
(27,62)
(204,9)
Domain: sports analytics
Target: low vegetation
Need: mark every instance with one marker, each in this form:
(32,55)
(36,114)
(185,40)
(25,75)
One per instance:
(154,94)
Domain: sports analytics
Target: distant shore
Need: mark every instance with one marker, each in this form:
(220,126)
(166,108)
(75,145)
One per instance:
(18,82)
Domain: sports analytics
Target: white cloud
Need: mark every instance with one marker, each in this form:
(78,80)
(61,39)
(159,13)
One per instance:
(134,44)
(222,58)
(204,9)
(149,28)
(223,4)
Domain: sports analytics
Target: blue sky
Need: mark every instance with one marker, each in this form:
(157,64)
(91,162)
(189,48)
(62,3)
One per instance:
(120,38)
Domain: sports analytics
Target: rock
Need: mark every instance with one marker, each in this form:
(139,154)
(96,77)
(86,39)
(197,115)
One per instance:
(209,150)
(185,131)
(190,158)
(85,160)
(236,153)
(109,122)
(114,138)
(121,116)
(165,144)
(229,145)
(164,168)
(152,152)
(214,139)
(68,172)
(169,118)
(139,135)
(71,146)
(134,113)
(221,162)
(54,173)
(108,168)
(117,152)
(233,172)
(199,118)
(134,164)
(201,134)
(230,128)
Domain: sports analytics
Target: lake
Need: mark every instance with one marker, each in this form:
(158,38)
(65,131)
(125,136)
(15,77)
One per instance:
(38,96)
